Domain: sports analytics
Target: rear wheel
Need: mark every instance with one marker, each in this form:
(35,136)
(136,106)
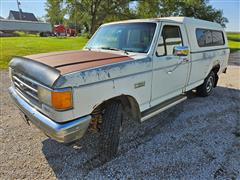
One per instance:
(110,130)
(207,87)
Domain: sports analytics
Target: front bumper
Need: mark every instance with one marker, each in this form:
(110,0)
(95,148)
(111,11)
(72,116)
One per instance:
(64,132)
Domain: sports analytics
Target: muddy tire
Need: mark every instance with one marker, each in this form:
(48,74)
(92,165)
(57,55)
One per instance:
(207,87)
(110,131)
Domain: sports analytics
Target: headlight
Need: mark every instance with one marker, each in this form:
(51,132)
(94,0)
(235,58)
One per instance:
(44,95)
(58,99)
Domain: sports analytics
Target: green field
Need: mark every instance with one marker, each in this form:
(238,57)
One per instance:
(20,46)
(233,41)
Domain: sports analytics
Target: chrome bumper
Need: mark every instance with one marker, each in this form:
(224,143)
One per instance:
(66,132)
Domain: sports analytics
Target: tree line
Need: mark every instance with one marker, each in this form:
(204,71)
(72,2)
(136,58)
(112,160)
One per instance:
(88,15)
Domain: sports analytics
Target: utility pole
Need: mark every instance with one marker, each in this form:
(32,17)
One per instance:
(19,9)
(75,17)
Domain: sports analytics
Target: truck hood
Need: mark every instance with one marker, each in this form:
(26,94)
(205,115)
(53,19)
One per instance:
(70,61)
(48,67)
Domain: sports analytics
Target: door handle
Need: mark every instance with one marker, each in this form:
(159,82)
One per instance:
(184,60)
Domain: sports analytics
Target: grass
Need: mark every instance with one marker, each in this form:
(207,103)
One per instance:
(233,41)
(21,46)
(30,44)
(235,36)
(24,34)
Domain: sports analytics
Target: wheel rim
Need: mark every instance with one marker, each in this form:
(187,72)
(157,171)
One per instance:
(210,84)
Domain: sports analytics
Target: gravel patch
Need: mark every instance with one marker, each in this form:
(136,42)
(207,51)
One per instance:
(197,139)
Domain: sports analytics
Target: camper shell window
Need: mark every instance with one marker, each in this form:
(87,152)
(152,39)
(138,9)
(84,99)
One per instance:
(206,37)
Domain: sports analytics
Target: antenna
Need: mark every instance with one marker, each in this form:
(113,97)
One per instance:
(75,17)
(19,9)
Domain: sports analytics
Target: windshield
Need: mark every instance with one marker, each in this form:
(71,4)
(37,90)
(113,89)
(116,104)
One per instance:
(129,37)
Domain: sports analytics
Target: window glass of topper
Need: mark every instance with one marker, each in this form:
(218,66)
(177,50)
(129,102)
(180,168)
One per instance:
(171,36)
(207,37)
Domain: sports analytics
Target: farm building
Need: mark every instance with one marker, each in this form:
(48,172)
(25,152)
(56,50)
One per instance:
(23,21)
(26,26)
(25,16)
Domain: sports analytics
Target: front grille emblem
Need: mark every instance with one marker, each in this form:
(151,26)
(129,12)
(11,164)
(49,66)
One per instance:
(22,86)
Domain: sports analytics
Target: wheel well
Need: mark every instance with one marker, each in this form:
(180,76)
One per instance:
(129,103)
(216,69)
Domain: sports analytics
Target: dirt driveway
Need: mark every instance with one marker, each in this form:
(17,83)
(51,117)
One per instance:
(195,139)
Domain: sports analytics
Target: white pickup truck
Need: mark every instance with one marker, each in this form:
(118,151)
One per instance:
(134,68)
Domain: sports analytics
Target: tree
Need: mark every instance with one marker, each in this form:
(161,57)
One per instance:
(90,14)
(101,10)
(93,13)
(55,13)
(146,9)
(200,9)
(189,8)
(77,14)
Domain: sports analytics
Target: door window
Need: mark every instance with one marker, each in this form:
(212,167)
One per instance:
(171,36)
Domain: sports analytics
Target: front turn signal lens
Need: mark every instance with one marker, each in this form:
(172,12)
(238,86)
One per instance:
(62,100)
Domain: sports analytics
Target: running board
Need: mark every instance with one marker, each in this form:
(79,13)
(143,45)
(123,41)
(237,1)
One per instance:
(162,107)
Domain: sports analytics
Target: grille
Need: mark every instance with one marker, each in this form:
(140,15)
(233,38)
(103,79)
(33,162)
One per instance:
(26,88)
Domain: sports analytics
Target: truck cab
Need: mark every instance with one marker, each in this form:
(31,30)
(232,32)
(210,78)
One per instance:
(134,68)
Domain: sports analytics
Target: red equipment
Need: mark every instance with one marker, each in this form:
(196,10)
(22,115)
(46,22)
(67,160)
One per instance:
(61,30)
(71,32)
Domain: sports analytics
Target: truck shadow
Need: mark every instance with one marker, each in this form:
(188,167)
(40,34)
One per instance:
(69,159)
(234,58)
(81,158)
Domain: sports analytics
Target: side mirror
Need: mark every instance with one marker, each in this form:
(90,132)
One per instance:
(180,50)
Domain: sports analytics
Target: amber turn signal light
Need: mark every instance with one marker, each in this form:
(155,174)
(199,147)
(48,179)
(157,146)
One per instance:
(62,100)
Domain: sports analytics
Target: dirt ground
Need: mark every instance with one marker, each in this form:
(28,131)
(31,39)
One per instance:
(197,139)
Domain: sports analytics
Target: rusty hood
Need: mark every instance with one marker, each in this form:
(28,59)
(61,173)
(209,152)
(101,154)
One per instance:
(70,61)
(48,67)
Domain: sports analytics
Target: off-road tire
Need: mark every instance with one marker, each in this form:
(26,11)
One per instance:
(110,131)
(207,87)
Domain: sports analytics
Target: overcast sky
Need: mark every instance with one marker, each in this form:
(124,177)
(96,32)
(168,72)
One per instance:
(231,9)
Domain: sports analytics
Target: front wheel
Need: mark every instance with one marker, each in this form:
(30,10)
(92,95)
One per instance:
(110,131)
(207,87)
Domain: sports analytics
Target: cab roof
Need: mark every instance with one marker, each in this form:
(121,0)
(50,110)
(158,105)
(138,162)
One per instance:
(182,20)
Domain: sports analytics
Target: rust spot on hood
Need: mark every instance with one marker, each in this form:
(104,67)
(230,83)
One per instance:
(70,61)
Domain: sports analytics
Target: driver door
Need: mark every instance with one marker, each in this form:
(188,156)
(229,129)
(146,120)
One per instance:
(170,72)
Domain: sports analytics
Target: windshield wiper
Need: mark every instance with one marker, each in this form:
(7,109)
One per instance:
(135,51)
(114,49)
